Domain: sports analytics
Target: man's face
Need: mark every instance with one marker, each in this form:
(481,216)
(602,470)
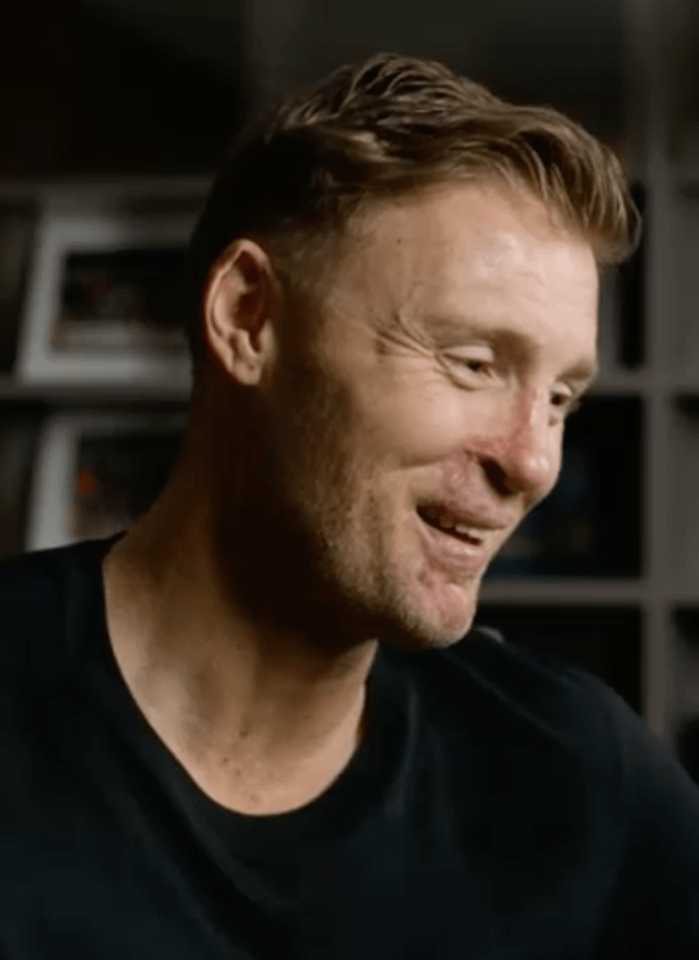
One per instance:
(425,417)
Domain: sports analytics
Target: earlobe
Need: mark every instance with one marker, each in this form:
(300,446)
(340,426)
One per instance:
(238,312)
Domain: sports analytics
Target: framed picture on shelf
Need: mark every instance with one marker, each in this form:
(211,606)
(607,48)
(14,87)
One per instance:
(96,473)
(107,299)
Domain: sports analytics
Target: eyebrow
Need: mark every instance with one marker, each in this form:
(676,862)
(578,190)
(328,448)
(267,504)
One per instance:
(584,371)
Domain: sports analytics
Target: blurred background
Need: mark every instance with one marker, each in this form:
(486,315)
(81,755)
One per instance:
(113,117)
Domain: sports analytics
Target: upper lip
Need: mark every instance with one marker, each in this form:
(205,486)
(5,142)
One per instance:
(482,522)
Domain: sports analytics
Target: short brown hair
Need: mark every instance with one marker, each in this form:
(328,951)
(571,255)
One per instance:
(387,127)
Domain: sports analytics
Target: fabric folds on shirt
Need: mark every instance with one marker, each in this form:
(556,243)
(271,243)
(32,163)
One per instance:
(501,805)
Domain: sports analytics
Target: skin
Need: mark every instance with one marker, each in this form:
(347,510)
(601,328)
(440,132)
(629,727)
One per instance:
(437,367)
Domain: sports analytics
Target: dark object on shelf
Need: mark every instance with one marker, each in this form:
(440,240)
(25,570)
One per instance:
(688,747)
(96,472)
(18,437)
(16,239)
(605,641)
(117,298)
(118,477)
(632,313)
(590,525)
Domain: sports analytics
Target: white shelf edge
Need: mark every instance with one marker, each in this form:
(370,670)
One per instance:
(622,382)
(10,388)
(681,386)
(11,391)
(559,591)
(676,599)
(107,186)
(685,174)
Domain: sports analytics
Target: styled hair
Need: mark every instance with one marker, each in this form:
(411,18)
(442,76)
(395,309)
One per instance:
(385,128)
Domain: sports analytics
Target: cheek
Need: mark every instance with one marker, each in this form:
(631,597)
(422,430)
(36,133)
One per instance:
(421,426)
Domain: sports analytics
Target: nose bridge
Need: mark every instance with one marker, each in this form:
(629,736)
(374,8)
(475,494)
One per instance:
(523,444)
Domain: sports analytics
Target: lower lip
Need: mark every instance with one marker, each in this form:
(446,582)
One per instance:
(451,552)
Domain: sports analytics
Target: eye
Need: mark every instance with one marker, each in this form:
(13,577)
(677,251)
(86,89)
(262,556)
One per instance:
(476,366)
(569,404)
(473,365)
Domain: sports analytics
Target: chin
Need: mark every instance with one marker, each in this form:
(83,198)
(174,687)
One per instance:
(422,635)
(431,616)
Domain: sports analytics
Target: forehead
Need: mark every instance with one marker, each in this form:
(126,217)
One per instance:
(472,230)
(484,251)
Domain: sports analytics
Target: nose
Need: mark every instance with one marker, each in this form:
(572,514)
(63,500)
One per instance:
(522,455)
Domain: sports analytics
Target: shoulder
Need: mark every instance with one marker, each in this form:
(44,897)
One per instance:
(562,726)
(562,735)
(535,690)
(557,732)
(40,594)
(598,762)
(554,695)
(538,691)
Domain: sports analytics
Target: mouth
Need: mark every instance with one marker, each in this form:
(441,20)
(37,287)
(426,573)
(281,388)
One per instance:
(446,523)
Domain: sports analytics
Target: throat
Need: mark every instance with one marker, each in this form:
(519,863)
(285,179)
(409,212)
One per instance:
(244,783)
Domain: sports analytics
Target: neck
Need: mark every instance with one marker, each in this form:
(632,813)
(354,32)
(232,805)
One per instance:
(263,718)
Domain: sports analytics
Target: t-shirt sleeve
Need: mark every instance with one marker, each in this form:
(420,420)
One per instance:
(655,908)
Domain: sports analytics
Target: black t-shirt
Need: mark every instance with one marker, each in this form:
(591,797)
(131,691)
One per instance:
(501,806)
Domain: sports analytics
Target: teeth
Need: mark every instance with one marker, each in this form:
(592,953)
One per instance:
(446,523)
(466,531)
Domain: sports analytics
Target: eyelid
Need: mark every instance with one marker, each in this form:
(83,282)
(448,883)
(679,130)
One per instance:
(472,356)
(574,404)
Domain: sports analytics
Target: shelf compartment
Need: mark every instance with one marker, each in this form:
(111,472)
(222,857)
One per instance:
(686,687)
(605,641)
(590,525)
(685,663)
(96,473)
(622,315)
(681,318)
(533,591)
(17,228)
(19,434)
(629,299)
(682,500)
(679,29)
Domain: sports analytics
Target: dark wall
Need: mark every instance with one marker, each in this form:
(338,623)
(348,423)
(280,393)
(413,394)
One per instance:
(82,95)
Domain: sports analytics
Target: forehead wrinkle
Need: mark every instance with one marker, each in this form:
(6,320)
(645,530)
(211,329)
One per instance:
(412,253)
(396,330)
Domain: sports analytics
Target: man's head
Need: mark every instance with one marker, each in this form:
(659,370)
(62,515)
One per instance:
(382,129)
(401,271)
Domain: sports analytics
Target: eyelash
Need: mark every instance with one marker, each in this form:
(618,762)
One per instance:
(572,404)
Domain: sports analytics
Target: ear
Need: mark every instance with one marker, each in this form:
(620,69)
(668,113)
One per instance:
(237,312)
